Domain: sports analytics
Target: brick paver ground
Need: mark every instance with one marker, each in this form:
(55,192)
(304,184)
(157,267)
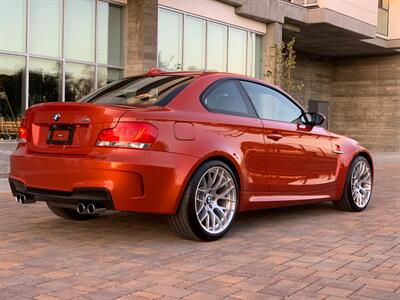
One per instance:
(308,252)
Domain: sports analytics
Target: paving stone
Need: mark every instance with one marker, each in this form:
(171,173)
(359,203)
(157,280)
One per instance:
(305,252)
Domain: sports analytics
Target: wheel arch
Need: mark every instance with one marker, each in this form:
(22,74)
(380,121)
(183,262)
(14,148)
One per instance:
(225,158)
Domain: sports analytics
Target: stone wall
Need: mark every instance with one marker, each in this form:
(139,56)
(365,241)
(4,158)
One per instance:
(364,96)
(141,36)
(365,101)
(315,74)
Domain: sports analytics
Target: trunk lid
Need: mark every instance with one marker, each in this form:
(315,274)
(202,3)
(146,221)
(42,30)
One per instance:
(69,128)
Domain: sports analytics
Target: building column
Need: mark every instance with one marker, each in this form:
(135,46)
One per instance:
(272,38)
(141,36)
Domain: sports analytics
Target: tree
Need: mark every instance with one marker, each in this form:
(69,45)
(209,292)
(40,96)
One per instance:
(284,56)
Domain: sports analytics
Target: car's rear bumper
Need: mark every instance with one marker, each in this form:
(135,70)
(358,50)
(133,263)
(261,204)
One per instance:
(134,180)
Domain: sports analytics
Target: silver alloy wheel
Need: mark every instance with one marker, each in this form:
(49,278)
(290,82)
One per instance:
(361,183)
(216,200)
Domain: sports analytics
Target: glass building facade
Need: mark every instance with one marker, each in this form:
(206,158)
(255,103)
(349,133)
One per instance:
(56,50)
(187,42)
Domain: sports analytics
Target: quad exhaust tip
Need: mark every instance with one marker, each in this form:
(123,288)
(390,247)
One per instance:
(20,198)
(89,209)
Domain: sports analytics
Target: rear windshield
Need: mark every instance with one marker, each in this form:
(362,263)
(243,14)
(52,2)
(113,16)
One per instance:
(140,91)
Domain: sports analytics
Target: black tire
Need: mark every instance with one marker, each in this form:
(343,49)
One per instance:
(347,202)
(185,222)
(69,214)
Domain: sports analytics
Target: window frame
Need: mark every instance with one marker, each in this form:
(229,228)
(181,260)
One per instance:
(287,96)
(251,111)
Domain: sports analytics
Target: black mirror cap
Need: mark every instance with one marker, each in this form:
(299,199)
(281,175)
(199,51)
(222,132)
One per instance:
(314,118)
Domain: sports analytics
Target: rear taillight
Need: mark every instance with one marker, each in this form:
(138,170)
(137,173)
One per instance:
(128,135)
(22,130)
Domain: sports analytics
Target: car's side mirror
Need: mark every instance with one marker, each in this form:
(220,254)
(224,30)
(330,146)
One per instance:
(313,118)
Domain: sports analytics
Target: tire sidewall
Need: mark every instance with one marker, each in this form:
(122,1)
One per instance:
(190,201)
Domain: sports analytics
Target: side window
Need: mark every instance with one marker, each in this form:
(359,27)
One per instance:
(226,98)
(271,104)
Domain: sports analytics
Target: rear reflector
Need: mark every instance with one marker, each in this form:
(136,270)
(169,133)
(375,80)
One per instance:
(128,135)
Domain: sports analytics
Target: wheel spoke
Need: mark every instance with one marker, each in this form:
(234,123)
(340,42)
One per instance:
(216,200)
(361,183)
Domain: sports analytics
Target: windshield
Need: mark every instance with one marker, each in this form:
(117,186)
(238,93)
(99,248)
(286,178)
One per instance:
(140,91)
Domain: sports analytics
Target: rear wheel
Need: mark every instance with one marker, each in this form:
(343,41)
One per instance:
(70,214)
(209,204)
(357,191)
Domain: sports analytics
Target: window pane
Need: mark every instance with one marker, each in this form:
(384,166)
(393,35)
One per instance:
(169,40)
(194,44)
(271,104)
(251,48)
(12,96)
(80,29)
(141,91)
(237,51)
(217,47)
(79,81)
(44,81)
(12,25)
(109,35)
(107,75)
(45,19)
(259,57)
(226,98)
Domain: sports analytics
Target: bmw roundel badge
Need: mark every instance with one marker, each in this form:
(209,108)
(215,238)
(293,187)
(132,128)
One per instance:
(56,117)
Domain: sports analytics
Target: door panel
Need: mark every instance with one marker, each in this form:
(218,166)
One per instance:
(301,161)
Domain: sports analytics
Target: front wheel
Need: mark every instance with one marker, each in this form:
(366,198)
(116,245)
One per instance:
(209,204)
(357,191)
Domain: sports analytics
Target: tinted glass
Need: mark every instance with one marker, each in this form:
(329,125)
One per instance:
(170,40)
(107,75)
(12,97)
(217,43)
(194,44)
(80,29)
(109,34)
(44,81)
(12,25)
(237,51)
(79,81)
(45,19)
(271,104)
(225,97)
(139,91)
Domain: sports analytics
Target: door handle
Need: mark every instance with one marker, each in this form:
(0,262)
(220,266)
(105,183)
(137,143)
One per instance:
(274,136)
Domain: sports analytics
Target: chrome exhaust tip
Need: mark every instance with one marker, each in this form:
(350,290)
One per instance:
(22,199)
(18,198)
(81,209)
(91,209)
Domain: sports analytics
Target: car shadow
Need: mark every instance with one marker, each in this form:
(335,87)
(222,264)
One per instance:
(144,227)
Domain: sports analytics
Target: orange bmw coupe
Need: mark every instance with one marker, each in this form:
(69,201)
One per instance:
(197,146)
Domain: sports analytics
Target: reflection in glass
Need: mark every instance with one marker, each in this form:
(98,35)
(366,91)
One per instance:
(169,40)
(237,51)
(216,47)
(44,81)
(12,97)
(194,44)
(107,75)
(79,81)
(109,34)
(12,25)
(80,29)
(45,19)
